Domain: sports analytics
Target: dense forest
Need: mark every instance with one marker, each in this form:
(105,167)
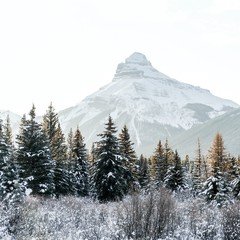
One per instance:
(41,164)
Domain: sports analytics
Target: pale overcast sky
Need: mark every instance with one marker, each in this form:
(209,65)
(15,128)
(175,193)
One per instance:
(62,51)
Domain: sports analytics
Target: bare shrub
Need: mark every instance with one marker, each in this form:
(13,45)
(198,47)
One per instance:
(147,217)
(231,222)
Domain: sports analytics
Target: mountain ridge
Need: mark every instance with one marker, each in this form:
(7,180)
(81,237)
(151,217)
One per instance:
(153,105)
(149,102)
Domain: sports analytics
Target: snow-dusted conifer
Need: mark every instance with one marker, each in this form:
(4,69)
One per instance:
(62,175)
(129,158)
(70,151)
(80,168)
(174,179)
(12,189)
(33,156)
(143,172)
(8,132)
(216,187)
(159,165)
(197,175)
(109,171)
(58,148)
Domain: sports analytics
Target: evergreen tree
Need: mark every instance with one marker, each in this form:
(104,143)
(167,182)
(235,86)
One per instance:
(168,154)
(216,187)
(109,171)
(217,155)
(80,165)
(93,154)
(197,171)
(53,131)
(143,172)
(159,165)
(8,132)
(58,148)
(59,151)
(236,187)
(33,156)
(186,164)
(174,178)
(12,189)
(205,168)
(235,176)
(129,158)
(50,123)
(62,175)
(70,151)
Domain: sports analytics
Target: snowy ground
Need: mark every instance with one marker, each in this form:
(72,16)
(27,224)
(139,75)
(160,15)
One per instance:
(152,216)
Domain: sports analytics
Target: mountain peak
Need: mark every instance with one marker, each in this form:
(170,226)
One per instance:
(137,66)
(138,58)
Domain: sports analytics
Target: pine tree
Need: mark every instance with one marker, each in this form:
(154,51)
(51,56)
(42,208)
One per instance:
(12,189)
(143,172)
(174,178)
(59,151)
(80,165)
(33,156)
(62,175)
(159,165)
(205,168)
(8,132)
(186,164)
(217,155)
(168,154)
(109,172)
(53,131)
(58,148)
(93,154)
(70,151)
(236,187)
(216,187)
(50,123)
(129,158)
(197,175)
(235,176)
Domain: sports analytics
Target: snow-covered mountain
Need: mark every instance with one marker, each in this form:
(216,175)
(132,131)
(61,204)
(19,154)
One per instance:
(227,124)
(152,105)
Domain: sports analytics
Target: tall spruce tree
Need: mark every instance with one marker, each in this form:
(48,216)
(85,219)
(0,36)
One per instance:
(216,187)
(159,165)
(62,174)
(50,122)
(33,156)
(12,189)
(80,168)
(205,169)
(235,174)
(129,158)
(70,151)
(109,171)
(143,172)
(8,132)
(174,179)
(197,176)
(186,164)
(53,131)
(168,153)
(58,148)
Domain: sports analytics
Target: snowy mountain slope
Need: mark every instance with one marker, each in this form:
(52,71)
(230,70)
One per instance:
(152,105)
(228,125)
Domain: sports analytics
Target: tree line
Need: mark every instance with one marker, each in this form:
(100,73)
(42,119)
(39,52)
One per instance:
(44,163)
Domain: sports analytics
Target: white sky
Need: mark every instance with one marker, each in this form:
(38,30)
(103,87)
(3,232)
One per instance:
(62,51)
